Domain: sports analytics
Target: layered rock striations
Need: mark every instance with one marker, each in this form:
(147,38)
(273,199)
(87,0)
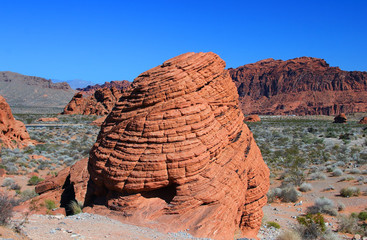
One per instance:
(300,86)
(175,153)
(100,102)
(13,133)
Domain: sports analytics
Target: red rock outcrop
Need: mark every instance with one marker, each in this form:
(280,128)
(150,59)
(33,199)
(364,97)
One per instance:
(363,120)
(13,133)
(175,153)
(48,120)
(70,184)
(124,84)
(301,86)
(341,118)
(252,118)
(100,102)
(99,121)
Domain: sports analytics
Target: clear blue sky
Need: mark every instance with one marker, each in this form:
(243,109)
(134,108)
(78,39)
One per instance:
(114,40)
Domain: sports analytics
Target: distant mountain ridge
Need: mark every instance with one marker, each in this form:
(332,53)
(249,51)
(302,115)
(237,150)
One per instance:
(30,91)
(300,86)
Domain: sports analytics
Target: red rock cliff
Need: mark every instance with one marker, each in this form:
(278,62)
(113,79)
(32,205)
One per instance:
(300,86)
(13,133)
(175,153)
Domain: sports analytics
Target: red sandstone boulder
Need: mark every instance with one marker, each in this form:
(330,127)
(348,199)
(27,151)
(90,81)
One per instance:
(121,85)
(13,133)
(341,118)
(363,120)
(175,153)
(301,86)
(252,118)
(70,184)
(48,120)
(2,172)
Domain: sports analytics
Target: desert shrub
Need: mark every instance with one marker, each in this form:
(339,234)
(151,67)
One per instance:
(337,172)
(273,224)
(348,224)
(341,206)
(317,176)
(34,180)
(50,204)
(289,235)
(347,178)
(290,194)
(15,186)
(355,171)
(362,216)
(27,194)
(350,192)
(364,172)
(323,205)
(311,226)
(6,208)
(7,182)
(305,187)
(75,207)
(273,194)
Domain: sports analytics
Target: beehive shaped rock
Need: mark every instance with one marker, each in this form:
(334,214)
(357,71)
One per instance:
(175,154)
(13,133)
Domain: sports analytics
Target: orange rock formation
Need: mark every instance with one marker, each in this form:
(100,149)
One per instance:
(175,153)
(100,102)
(363,120)
(341,118)
(13,133)
(252,118)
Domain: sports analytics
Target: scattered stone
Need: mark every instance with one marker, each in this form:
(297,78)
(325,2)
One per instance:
(341,118)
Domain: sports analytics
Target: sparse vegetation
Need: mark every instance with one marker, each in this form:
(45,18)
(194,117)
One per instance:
(350,192)
(34,180)
(6,208)
(75,207)
(273,224)
(305,187)
(323,205)
(50,204)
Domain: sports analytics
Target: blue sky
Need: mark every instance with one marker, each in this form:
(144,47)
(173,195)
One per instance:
(108,40)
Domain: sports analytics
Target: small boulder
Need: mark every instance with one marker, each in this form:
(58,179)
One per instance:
(48,119)
(252,118)
(341,118)
(363,120)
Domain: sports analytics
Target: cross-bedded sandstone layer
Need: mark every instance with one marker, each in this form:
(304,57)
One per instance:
(175,153)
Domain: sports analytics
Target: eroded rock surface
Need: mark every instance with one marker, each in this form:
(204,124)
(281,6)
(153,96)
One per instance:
(175,153)
(100,102)
(13,133)
(301,86)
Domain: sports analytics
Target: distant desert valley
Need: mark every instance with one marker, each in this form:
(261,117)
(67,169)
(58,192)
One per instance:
(272,150)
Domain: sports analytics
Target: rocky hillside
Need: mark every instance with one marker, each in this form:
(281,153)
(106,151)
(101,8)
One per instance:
(28,91)
(299,86)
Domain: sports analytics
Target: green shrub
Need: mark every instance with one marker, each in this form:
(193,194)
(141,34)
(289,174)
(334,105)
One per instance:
(34,180)
(350,192)
(75,207)
(312,226)
(50,204)
(273,224)
(362,216)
